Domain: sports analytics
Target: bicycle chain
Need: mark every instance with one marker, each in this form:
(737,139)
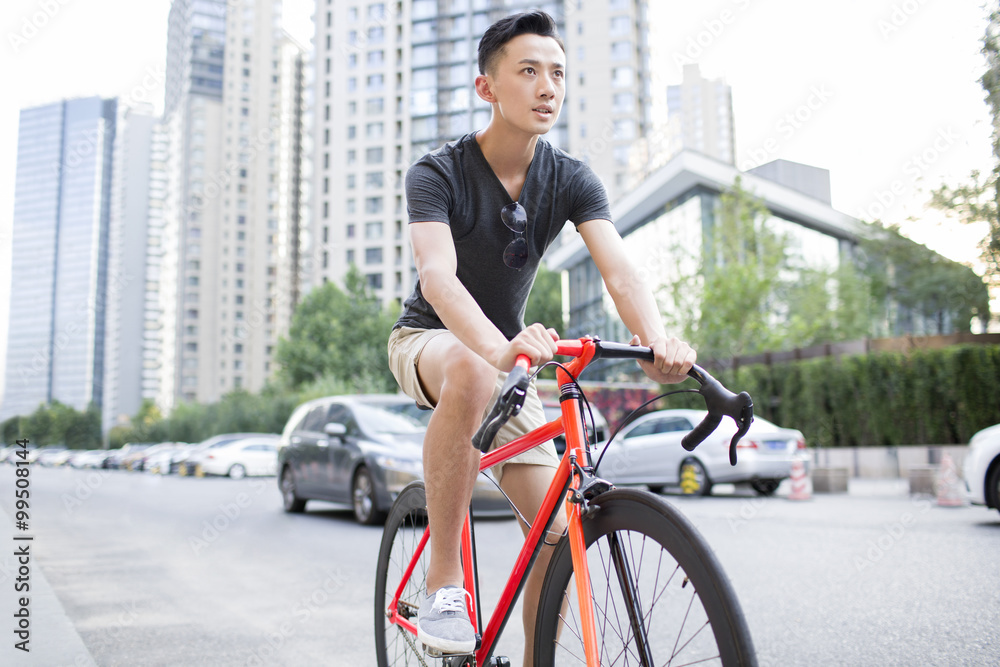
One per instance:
(413,647)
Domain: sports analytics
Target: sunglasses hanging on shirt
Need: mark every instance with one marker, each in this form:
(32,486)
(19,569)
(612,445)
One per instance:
(515,255)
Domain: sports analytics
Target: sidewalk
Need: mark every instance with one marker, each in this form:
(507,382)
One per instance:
(53,641)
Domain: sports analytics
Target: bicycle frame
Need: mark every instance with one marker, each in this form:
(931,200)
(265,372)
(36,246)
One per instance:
(564,485)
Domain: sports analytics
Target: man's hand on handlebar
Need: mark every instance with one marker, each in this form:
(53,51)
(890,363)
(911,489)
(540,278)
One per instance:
(535,341)
(673,360)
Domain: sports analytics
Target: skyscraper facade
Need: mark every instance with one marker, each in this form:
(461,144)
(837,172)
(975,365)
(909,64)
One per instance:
(700,114)
(394,80)
(128,265)
(62,197)
(232,203)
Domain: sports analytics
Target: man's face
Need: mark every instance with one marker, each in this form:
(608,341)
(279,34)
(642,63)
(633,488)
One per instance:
(528,83)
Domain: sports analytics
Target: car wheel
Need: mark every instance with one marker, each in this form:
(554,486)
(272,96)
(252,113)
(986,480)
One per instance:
(363,499)
(993,487)
(291,502)
(765,487)
(237,471)
(694,478)
(655,488)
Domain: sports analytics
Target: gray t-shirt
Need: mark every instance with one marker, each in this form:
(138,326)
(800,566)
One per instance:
(456,185)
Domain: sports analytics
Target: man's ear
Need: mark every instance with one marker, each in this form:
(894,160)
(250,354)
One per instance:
(484,89)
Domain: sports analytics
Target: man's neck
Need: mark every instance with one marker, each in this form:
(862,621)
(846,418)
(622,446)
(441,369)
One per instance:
(508,153)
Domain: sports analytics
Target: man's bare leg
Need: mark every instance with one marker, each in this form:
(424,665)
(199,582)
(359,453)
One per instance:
(526,486)
(461,384)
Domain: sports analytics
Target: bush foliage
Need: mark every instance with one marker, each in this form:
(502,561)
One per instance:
(925,397)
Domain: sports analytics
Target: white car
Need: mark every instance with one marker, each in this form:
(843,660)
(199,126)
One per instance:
(648,451)
(250,456)
(982,468)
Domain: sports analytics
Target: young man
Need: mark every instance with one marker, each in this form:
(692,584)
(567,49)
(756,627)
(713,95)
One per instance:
(482,211)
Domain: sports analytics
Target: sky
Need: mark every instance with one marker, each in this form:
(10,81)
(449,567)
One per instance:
(882,93)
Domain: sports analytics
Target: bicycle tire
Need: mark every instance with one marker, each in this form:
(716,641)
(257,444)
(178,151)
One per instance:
(671,567)
(394,646)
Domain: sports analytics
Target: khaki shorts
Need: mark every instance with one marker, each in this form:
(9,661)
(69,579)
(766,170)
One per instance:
(405,346)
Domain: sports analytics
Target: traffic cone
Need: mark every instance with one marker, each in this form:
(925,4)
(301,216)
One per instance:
(948,485)
(800,481)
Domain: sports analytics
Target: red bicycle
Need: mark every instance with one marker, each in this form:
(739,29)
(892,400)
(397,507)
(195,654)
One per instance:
(631,581)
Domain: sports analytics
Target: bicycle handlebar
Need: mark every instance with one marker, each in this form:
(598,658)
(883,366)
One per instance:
(719,401)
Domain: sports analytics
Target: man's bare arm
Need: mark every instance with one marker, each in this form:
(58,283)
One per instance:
(436,263)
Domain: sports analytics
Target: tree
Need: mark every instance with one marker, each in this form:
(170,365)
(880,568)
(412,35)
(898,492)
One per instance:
(545,301)
(979,200)
(338,333)
(916,282)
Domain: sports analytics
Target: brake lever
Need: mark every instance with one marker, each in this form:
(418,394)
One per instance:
(508,404)
(720,403)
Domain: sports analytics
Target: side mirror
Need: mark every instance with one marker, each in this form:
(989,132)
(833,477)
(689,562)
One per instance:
(335,429)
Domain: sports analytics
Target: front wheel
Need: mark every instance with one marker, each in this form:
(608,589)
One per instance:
(404,530)
(660,596)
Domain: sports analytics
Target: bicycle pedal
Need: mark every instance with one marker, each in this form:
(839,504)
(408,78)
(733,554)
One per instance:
(450,659)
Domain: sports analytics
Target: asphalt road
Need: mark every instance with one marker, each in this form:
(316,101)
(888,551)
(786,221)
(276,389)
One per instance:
(132,569)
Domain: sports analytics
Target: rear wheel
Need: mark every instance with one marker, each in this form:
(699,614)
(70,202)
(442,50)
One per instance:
(289,499)
(237,471)
(694,478)
(660,596)
(765,487)
(404,529)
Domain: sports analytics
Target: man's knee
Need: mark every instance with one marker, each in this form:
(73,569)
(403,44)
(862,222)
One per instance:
(468,378)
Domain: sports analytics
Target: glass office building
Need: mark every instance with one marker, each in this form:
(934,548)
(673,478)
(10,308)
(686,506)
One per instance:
(55,348)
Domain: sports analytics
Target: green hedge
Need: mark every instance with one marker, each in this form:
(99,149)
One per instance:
(925,397)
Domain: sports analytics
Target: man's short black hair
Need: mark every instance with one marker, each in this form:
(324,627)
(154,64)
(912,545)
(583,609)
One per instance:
(491,46)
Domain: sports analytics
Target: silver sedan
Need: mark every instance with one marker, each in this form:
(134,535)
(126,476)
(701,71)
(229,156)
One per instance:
(648,451)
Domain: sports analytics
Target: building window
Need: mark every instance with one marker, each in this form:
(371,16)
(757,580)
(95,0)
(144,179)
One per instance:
(373,230)
(373,179)
(374,155)
(373,205)
(373,255)
(374,280)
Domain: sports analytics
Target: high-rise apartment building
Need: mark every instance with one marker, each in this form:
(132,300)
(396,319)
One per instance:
(128,239)
(62,197)
(700,113)
(394,80)
(232,205)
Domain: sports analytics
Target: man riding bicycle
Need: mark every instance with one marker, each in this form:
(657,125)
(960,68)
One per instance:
(482,211)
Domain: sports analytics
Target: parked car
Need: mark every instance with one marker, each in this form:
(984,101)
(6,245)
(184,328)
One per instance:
(116,458)
(164,461)
(89,458)
(52,455)
(982,468)
(359,450)
(648,451)
(188,463)
(256,457)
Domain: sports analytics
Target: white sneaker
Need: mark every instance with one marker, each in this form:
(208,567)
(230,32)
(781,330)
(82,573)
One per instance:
(443,622)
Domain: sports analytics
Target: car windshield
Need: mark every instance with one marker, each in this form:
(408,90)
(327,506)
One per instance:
(379,420)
